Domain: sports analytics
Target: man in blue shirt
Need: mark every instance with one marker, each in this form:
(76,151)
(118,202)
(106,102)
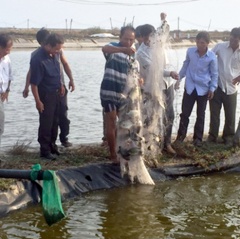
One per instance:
(201,72)
(46,88)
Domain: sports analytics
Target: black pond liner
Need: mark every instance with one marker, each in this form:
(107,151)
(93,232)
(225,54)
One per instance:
(73,182)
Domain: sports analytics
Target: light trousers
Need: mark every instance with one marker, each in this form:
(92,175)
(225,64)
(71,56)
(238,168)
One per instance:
(2,119)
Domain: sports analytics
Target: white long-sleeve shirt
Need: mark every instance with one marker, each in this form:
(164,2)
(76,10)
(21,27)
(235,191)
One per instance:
(5,73)
(143,56)
(228,66)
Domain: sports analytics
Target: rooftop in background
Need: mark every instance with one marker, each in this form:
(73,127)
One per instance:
(103,35)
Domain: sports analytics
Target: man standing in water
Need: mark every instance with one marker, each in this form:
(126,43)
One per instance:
(228,55)
(5,75)
(113,83)
(46,88)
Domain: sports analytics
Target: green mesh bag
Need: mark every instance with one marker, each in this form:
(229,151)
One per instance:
(51,197)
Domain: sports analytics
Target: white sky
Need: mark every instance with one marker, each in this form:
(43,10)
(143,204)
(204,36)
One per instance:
(192,14)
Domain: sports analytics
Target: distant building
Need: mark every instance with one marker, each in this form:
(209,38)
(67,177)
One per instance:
(103,35)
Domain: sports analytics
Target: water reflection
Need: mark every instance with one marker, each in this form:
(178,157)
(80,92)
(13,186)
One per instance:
(198,207)
(131,213)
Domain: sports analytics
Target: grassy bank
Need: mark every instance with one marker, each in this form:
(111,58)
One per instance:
(22,157)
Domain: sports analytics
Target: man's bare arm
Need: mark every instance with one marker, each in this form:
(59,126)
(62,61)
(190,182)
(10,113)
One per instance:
(27,84)
(68,71)
(108,49)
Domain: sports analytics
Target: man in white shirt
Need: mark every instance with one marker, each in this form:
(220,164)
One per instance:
(144,56)
(5,75)
(228,54)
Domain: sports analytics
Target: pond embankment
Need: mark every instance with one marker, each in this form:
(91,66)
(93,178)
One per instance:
(86,43)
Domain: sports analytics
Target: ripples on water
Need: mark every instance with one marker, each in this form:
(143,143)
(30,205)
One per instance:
(198,207)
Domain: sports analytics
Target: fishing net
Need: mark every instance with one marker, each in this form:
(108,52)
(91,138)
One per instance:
(129,130)
(140,129)
(153,100)
(152,59)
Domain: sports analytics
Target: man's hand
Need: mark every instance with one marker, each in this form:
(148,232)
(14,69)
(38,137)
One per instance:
(4,96)
(25,93)
(128,50)
(174,75)
(71,86)
(177,85)
(210,95)
(236,80)
(62,90)
(40,106)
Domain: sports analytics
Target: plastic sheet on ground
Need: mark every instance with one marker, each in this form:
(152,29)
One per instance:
(74,182)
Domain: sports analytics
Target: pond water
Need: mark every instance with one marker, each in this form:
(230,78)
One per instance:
(198,207)
(84,103)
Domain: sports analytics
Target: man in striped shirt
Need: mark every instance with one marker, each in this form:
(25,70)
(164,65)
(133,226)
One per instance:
(113,83)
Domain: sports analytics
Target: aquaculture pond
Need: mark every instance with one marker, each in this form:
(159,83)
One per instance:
(187,207)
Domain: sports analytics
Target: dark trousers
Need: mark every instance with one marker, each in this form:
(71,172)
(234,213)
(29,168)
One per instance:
(229,103)
(64,122)
(48,121)
(187,106)
(169,114)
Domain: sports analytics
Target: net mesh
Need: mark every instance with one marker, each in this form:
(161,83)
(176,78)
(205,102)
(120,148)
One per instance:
(140,129)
